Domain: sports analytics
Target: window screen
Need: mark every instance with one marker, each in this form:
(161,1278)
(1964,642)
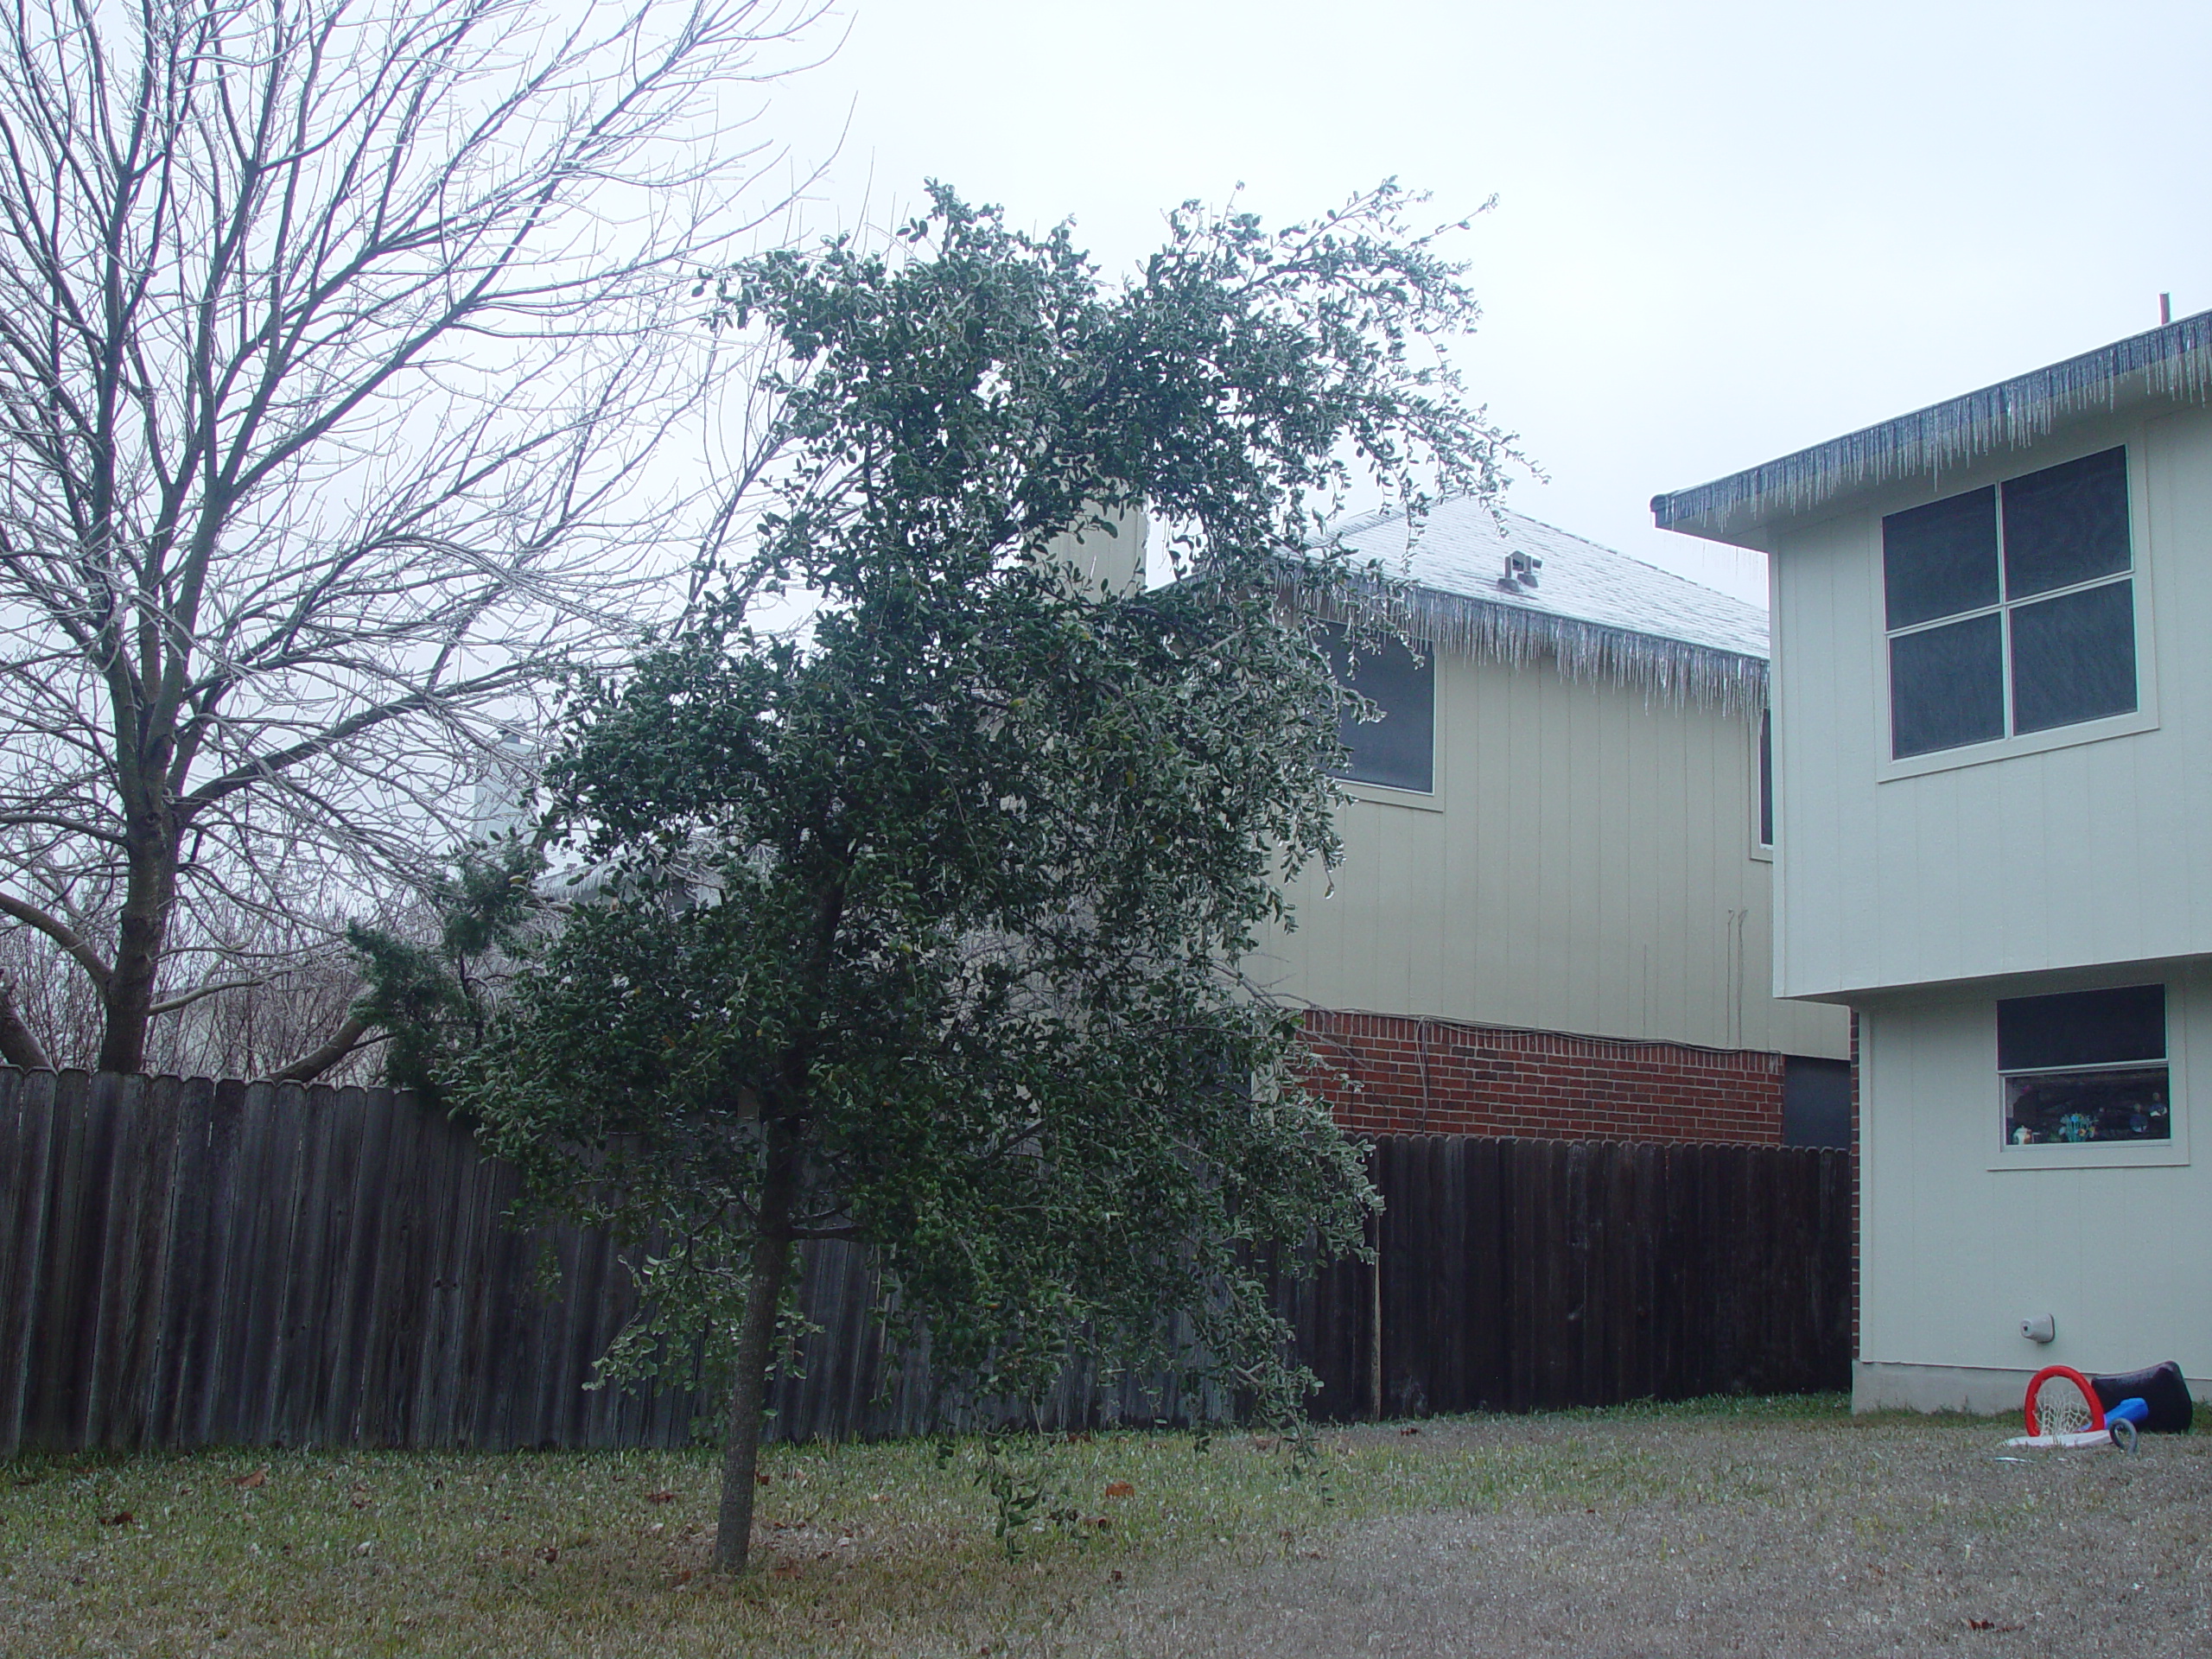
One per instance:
(2082,1028)
(1947,686)
(1941,559)
(2085,1066)
(2012,608)
(2074,657)
(1399,749)
(2066,524)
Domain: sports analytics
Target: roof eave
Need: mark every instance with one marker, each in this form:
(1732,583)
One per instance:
(1663,668)
(2173,362)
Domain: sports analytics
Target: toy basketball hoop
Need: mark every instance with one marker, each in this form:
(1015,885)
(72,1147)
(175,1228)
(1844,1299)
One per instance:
(2062,1401)
(2063,1410)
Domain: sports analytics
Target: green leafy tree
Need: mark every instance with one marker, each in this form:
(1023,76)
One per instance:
(431,1002)
(922,930)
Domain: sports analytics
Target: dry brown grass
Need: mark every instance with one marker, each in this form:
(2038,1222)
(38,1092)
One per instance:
(878,1550)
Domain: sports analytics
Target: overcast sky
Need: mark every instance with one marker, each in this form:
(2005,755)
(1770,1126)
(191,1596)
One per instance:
(1723,230)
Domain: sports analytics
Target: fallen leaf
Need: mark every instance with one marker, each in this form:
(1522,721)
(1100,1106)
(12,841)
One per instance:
(1104,1521)
(1409,1430)
(759,1480)
(785,1568)
(258,1478)
(1114,1577)
(660,1497)
(120,1518)
(684,1577)
(550,1555)
(1120,1488)
(881,1497)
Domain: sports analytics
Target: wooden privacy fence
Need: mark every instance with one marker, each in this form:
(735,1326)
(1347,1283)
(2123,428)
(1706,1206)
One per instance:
(185,1262)
(1516,1275)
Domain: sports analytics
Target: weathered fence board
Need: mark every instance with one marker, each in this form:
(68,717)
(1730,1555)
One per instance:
(185,1263)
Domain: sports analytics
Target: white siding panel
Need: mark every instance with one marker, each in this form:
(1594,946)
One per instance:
(2094,852)
(1590,870)
(1955,1254)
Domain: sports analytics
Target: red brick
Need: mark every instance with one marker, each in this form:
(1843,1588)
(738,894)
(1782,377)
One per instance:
(1386,1073)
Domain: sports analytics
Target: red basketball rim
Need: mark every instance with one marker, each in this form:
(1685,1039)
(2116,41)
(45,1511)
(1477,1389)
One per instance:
(2088,1393)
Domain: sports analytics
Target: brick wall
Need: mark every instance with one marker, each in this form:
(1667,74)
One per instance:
(1388,1074)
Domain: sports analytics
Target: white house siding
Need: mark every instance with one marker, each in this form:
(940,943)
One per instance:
(1585,865)
(1955,1254)
(2089,852)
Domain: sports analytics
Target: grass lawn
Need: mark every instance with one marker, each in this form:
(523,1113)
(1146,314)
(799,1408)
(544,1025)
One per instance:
(879,1549)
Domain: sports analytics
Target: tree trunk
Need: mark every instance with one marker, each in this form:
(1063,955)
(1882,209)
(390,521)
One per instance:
(772,1252)
(148,899)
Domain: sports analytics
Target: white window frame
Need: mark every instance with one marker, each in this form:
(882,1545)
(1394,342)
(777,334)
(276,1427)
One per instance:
(2105,1155)
(2144,715)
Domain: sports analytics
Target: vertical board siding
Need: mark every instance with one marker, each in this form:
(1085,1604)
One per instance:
(1589,851)
(185,1263)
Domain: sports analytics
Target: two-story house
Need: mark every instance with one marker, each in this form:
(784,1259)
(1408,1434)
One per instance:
(1553,914)
(1993,748)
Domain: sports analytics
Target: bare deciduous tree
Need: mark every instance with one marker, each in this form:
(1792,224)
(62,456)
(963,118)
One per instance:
(335,341)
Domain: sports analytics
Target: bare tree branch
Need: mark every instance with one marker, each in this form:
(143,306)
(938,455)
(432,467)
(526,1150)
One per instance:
(19,1044)
(339,340)
(313,1065)
(61,933)
(200,991)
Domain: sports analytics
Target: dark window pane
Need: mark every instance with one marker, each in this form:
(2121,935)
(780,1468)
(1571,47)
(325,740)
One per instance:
(1939,559)
(2082,1028)
(2074,657)
(1399,749)
(2066,524)
(2068,1107)
(1766,779)
(1947,686)
(1815,1102)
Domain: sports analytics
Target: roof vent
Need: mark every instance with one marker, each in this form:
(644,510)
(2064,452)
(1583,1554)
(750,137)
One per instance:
(1520,571)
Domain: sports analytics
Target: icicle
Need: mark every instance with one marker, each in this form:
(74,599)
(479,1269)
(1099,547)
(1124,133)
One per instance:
(2175,361)
(1671,670)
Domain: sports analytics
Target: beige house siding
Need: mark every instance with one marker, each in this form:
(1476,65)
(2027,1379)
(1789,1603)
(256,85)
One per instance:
(1586,864)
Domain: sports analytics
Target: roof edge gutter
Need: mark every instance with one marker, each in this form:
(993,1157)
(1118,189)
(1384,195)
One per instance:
(2174,361)
(1676,672)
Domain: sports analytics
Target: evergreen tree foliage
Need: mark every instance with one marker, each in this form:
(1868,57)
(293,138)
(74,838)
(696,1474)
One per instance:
(924,927)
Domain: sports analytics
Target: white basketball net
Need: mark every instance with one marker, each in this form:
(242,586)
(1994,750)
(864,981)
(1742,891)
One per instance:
(2061,1406)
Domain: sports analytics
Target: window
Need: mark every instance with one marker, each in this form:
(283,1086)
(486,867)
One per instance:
(2085,1066)
(2010,609)
(1766,777)
(1399,749)
(1815,1102)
